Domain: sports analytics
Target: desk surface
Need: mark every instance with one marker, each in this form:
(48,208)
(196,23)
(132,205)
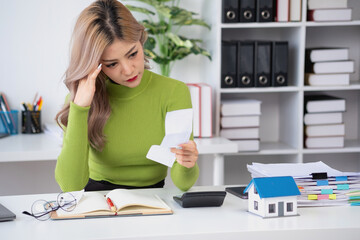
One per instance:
(231,221)
(40,147)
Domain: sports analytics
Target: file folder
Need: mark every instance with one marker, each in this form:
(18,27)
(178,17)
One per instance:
(280,59)
(263,64)
(247,11)
(228,64)
(246,51)
(264,11)
(230,9)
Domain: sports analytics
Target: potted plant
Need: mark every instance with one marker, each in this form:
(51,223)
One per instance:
(163,21)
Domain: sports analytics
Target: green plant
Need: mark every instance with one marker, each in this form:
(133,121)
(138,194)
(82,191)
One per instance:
(164,44)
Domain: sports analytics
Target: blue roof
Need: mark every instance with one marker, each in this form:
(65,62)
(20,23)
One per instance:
(274,186)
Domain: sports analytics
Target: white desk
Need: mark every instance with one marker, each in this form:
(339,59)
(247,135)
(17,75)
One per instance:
(231,221)
(42,147)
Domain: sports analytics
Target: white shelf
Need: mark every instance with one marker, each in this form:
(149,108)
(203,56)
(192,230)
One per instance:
(215,145)
(281,121)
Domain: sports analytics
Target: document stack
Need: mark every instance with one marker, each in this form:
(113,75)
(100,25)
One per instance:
(323,121)
(240,122)
(319,184)
(328,66)
(328,10)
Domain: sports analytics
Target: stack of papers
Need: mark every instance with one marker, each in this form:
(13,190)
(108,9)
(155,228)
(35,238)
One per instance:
(335,188)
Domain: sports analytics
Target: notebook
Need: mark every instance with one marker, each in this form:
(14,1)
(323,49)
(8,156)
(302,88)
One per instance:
(6,214)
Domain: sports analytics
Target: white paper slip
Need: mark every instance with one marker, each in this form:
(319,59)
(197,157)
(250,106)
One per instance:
(178,128)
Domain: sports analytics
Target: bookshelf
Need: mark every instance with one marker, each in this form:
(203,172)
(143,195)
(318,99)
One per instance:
(281,121)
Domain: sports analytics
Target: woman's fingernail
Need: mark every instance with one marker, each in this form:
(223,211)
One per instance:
(178,147)
(99,66)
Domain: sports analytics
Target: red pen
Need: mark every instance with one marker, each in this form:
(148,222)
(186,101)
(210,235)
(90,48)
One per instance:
(111,205)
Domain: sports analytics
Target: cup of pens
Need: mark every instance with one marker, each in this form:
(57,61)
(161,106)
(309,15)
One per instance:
(31,117)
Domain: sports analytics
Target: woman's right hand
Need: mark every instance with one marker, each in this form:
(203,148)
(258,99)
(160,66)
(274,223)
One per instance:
(86,89)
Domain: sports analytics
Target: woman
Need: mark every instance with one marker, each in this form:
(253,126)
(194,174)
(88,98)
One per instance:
(116,108)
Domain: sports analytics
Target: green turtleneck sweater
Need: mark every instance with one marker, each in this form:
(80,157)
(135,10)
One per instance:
(137,122)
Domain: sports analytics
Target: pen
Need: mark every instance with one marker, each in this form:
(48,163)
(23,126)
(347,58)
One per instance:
(111,205)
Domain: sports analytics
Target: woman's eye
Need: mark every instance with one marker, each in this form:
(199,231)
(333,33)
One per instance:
(133,54)
(111,65)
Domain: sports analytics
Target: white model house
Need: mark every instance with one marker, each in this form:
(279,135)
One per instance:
(272,196)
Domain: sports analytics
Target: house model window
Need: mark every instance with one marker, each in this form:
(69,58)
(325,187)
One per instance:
(273,196)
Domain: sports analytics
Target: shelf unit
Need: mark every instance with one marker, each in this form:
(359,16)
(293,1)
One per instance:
(281,124)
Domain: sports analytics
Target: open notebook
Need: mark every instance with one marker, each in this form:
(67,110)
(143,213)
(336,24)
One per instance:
(126,202)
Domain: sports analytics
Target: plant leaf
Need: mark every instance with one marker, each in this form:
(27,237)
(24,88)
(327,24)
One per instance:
(155,28)
(139,9)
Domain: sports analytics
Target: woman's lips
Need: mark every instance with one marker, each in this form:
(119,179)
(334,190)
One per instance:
(132,79)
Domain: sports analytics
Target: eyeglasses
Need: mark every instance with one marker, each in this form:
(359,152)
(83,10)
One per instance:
(42,209)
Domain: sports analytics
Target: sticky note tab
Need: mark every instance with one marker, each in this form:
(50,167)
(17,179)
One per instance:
(322,182)
(312,197)
(341,178)
(342,186)
(321,197)
(332,196)
(327,191)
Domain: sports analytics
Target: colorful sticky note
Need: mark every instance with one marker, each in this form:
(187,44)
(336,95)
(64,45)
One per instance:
(322,182)
(327,191)
(341,178)
(342,186)
(332,196)
(323,196)
(312,197)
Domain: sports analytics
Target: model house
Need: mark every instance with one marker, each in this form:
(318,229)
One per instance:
(273,196)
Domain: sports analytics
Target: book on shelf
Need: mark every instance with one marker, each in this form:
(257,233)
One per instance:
(248,145)
(125,203)
(326,54)
(325,130)
(324,103)
(240,121)
(282,10)
(330,67)
(334,79)
(201,99)
(318,4)
(295,10)
(323,118)
(327,15)
(236,107)
(324,142)
(240,133)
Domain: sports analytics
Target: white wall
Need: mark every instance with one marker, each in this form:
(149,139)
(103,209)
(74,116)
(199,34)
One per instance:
(34,47)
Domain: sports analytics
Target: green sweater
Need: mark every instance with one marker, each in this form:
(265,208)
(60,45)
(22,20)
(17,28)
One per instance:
(137,121)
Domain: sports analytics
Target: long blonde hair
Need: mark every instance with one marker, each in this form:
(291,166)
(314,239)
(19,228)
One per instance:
(96,28)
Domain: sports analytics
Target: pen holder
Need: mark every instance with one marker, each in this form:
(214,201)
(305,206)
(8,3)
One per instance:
(9,122)
(31,121)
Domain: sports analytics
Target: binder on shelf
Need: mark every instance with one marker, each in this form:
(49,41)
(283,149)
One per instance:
(263,64)
(230,9)
(280,52)
(248,145)
(228,64)
(240,121)
(264,11)
(246,52)
(247,11)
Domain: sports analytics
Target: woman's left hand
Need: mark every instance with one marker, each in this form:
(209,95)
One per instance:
(187,155)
